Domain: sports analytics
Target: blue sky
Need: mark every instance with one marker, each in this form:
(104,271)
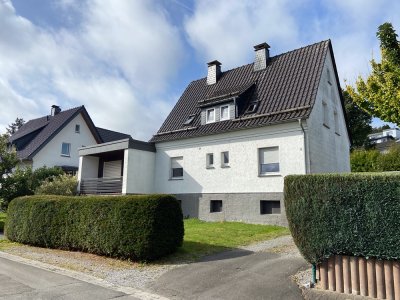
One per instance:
(129,61)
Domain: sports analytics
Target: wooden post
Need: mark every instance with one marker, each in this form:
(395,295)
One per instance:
(355,283)
(371,278)
(346,274)
(387,265)
(380,279)
(362,267)
(396,279)
(339,273)
(323,273)
(331,273)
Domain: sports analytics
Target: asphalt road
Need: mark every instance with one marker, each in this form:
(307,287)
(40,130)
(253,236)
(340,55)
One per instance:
(21,281)
(238,274)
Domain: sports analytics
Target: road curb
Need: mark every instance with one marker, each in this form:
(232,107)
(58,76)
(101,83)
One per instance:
(134,292)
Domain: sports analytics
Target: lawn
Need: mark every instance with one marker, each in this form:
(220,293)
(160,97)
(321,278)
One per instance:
(202,238)
(2,220)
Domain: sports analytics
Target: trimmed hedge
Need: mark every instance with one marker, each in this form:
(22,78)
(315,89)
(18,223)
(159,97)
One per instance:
(141,227)
(352,214)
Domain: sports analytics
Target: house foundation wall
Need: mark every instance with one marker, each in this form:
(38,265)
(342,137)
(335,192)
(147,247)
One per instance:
(239,207)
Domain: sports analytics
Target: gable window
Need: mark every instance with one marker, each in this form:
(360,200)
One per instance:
(328,75)
(215,206)
(210,160)
(210,115)
(65,149)
(335,116)
(325,114)
(176,167)
(224,112)
(224,159)
(268,160)
(77,128)
(270,207)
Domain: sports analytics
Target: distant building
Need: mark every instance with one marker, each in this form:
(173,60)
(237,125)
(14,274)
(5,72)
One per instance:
(385,136)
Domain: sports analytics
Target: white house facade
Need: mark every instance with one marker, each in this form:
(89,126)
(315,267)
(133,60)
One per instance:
(233,136)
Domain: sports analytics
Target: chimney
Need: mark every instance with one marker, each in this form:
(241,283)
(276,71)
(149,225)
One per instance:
(262,56)
(55,110)
(214,70)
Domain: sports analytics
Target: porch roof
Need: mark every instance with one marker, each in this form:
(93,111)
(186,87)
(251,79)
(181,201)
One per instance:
(123,144)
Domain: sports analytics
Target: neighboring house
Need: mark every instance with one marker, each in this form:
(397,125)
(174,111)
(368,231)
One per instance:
(233,136)
(54,140)
(387,135)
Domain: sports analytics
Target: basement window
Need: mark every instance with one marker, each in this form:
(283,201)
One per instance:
(215,206)
(268,207)
(189,120)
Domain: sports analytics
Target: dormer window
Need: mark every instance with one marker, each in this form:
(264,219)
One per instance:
(189,120)
(224,112)
(210,115)
(252,108)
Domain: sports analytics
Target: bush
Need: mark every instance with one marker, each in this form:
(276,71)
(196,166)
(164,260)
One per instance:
(59,185)
(142,227)
(353,214)
(374,161)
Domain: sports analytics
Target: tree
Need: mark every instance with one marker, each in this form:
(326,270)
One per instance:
(359,122)
(379,94)
(8,157)
(13,127)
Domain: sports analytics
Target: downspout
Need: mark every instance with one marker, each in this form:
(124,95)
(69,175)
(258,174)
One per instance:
(305,140)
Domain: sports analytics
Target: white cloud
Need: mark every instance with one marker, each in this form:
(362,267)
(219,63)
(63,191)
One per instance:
(117,62)
(227,30)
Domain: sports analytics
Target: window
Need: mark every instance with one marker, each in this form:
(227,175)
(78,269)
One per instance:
(325,112)
(268,160)
(77,128)
(252,108)
(215,206)
(176,167)
(335,115)
(224,112)
(224,159)
(210,160)
(270,207)
(65,149)
(210,115)
(189,120)
(328,75)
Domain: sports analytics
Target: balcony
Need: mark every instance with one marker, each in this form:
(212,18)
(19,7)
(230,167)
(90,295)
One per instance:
(101,186)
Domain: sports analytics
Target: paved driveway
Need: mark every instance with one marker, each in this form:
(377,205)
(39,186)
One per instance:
(21,281)
(237,274)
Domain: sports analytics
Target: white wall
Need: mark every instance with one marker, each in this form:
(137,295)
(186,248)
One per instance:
(329,152)
(242,174)
(138,175)
(50,155)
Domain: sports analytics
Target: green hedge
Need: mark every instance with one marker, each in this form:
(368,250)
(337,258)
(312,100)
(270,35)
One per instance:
(143,227)
(353,214)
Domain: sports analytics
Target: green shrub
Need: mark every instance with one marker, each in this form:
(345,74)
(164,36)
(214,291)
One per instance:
(364,160)
(141,227)
(59,185)
(353,214)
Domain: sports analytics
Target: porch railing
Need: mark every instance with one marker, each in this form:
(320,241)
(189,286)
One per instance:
(112,185)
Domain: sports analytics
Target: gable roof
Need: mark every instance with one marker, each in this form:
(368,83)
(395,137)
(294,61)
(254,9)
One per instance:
(110,136)
(43,129)
(284,91)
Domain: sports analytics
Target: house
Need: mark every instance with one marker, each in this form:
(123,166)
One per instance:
(234,135)
(386,135)
(53,140)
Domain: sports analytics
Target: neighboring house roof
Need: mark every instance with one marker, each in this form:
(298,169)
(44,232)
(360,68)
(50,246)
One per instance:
(110,136)
(384,146)
(285,90)
(36,133)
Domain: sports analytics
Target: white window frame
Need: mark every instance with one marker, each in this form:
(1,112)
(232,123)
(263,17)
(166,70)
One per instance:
(207,120)
(260,172)
(209,164)
(171,173)
(220,112)
(223,163)
(69,149)
(77,128)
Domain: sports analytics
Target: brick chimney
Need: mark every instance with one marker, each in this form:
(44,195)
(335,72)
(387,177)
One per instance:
(262,56)
(55,110)
(214,71)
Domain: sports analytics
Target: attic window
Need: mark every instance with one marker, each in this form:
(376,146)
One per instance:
(189,120)
(252,108)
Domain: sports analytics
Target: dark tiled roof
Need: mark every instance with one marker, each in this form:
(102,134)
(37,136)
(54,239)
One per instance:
(110,136)
(49,126)
(285,90)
